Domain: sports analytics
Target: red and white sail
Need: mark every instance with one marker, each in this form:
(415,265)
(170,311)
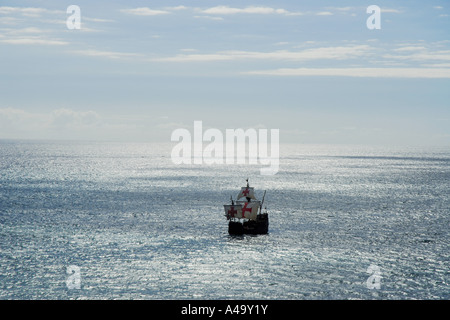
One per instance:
(233,211)
(247,192)
(250,209)
(242,209)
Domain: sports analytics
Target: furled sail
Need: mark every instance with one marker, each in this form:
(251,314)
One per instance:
(233,211)
(247,192)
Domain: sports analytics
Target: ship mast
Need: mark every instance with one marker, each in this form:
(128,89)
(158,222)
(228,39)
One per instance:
(248,198)
(260,206)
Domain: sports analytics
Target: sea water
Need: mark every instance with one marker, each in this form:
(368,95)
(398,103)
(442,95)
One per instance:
(134,225)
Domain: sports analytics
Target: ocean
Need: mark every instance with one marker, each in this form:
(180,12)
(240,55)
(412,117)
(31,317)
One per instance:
(104,220)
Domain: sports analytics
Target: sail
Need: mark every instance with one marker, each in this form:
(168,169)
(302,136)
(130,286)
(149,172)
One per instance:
(247,192)
(250,209)
(233,211)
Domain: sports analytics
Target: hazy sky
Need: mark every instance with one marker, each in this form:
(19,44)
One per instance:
(137,70)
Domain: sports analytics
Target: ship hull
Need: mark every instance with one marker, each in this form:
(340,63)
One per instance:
(235,228)
(258,226)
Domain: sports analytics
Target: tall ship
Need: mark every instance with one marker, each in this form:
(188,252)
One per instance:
(245,215)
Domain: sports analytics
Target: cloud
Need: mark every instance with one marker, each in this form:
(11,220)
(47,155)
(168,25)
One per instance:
(96,19)
(32,30)
(15,16)
(390,10)
(9,20)
(18,123)
(225,10)
(420,51)
(34,41)
(12,117)
(338,53)
(424,56)
(177,8)
(357,72)
(342,9)
(209,18)
(67,118)
(66,123)
(196,58)
(324,13)
(29,36)
(410,48)
(437,65)
(28,11)
(105,54)
(144,11)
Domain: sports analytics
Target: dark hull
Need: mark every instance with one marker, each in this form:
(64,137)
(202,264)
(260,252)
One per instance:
(260,226)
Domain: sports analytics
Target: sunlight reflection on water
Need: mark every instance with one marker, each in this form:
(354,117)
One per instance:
(140,227)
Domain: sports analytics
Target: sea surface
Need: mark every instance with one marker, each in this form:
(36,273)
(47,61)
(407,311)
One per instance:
(346,222)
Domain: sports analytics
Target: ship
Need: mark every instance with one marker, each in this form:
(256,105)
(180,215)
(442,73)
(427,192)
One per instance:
(246,216)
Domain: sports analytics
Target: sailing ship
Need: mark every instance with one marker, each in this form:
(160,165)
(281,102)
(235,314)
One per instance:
(246,216)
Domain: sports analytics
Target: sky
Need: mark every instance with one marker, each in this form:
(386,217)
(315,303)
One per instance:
(138,70)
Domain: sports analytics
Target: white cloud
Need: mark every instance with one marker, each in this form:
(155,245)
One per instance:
(195,58)
(188,50)
(177,8)
(438,65)
(30,36)
(10,10)
(410,48)
(342,9)
(105,54)
(10,116)
(28,11)
(34,41)
(390,10)
(96,19)
(144,11)
(31,30)
(225,10)
(66,123)
(18,123)
(422,56)
(209,18)
(67,117)
(357,72)
(9,20)
(324,13)
(281,43)
(338,53)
